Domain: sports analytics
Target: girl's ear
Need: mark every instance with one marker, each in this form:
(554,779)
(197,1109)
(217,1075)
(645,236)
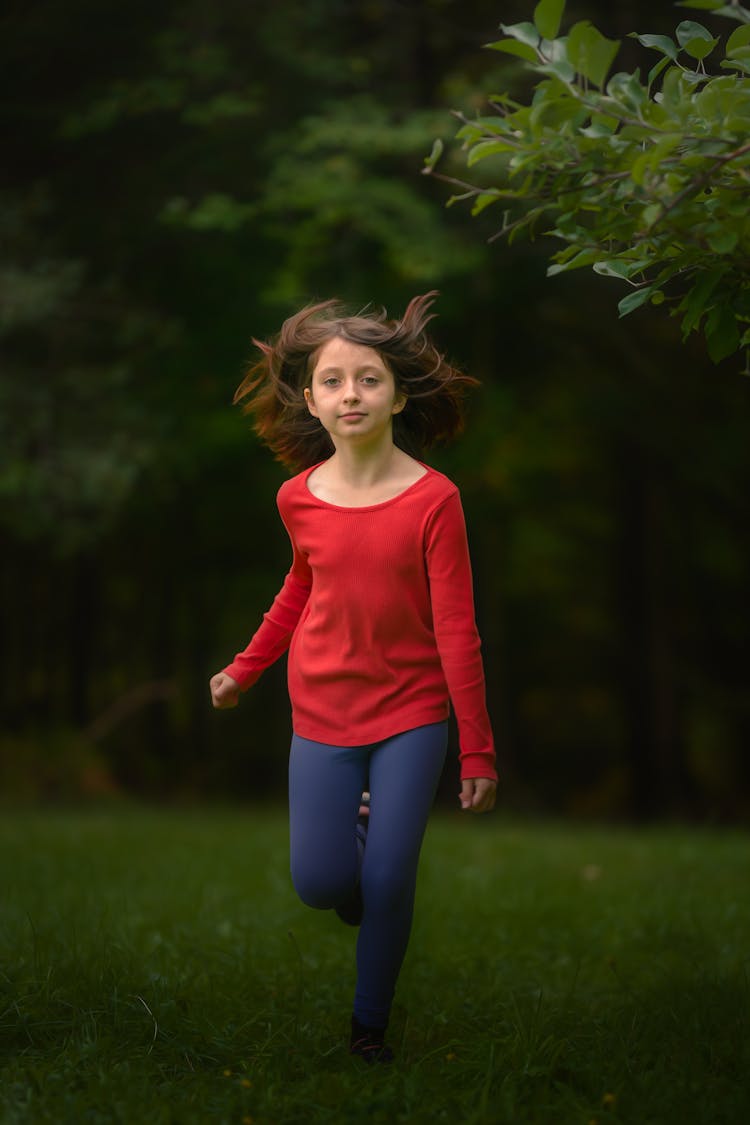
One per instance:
(310,402)
(399,402)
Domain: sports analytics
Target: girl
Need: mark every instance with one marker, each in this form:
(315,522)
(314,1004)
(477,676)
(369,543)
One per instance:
(377,613)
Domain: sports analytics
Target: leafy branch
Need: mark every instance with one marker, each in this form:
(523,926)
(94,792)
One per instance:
(645,181)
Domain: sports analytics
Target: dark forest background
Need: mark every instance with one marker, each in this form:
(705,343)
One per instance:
(177,178)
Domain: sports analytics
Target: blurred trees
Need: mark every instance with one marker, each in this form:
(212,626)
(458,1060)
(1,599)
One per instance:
(181,177)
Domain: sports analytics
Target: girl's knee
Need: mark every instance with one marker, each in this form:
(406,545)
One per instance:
(319,889)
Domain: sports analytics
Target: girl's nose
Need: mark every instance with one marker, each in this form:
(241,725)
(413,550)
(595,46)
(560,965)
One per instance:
(351,393)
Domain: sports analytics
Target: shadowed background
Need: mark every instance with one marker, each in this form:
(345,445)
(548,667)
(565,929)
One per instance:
(180,177)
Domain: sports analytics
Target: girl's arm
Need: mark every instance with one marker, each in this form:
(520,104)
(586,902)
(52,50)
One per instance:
(275,633)
(452,598)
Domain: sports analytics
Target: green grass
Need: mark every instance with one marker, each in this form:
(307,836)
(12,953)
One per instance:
(156,967)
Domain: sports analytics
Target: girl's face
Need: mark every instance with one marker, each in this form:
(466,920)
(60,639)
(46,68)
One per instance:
(353,393)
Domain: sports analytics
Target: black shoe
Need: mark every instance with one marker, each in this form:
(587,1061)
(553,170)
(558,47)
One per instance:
(368,1043)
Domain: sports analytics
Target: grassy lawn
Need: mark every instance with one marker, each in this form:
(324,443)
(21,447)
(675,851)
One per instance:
(156,967)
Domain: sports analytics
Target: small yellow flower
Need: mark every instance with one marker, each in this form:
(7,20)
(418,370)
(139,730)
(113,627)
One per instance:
(451,1056)
(609,1100)
(246,1083)
(247,1120)
(227,1074)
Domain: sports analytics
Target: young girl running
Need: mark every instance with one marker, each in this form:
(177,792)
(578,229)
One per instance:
(377,613)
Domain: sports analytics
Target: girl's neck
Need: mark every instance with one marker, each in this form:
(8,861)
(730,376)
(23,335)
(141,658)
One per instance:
(354,481)
(364,468)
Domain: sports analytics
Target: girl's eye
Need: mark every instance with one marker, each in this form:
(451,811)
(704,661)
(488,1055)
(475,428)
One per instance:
(370,380)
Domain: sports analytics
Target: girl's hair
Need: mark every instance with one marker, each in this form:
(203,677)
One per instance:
(273,388)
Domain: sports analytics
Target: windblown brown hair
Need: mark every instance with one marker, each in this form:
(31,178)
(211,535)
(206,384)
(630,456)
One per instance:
(273,388)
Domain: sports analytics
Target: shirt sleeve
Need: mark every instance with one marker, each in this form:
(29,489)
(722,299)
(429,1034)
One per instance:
(459,646)
(274,636)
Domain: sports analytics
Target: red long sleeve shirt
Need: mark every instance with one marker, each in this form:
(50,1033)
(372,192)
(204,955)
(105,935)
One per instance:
(377,611)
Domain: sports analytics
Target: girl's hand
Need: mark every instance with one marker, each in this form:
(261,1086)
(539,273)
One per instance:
(477,794)
(225,692)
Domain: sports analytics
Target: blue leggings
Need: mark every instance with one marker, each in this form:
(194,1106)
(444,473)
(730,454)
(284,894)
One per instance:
(325,786)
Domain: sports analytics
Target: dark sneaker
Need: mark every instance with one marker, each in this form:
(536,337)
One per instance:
(368,1043)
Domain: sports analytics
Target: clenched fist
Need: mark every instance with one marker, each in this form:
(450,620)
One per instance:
(225,692)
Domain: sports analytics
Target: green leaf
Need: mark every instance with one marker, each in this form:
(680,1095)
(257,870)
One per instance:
(652,214)
(431,160)
(612,268)
(661,43)
(699,48)
(548,16)
(672,94)
(740,37)
(695,302)
(694,77)
(655,71)
(487,148)
(523,32)
(568,227)
(640,167)
(722,333)
(626,88)
(582,258)
(601,126)
(688,30)
(515,47)
(561,69)
(723,241)
(484,200)
(736,64)
(591,53)
(634,300)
